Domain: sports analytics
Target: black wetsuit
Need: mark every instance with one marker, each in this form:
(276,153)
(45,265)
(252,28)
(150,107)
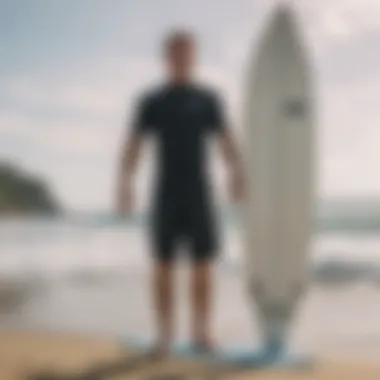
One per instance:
(181,117)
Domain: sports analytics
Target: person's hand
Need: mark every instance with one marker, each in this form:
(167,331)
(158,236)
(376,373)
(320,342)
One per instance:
(236,188)
(125,200)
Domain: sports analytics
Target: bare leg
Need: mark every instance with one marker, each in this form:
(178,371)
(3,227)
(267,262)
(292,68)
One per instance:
(201,292)
(163,301)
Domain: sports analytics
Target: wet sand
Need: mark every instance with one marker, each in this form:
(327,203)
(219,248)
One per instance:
(23,353)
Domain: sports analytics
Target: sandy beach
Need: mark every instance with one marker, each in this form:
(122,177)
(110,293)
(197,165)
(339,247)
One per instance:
(26,353)
(72,326)
(81,289)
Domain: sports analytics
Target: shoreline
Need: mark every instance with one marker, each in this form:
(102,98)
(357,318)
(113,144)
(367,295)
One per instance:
(24,352)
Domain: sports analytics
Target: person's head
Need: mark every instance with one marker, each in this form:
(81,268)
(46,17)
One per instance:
(180,49)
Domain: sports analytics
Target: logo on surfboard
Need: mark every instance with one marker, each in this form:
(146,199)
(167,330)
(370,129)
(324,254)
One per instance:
(295,108)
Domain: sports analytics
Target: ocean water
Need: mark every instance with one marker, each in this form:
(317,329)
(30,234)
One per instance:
(345,244)
(90,273)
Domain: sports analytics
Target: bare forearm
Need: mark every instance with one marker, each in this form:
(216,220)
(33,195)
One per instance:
(129,160)
(127,169)
(234,164)
(231,154)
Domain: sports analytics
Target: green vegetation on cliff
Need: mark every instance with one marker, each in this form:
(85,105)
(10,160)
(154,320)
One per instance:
(23,193)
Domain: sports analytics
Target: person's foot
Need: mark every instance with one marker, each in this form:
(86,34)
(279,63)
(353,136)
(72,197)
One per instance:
(160,350)
(203,345)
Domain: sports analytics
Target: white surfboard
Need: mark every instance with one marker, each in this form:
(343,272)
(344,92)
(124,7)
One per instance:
(279,160)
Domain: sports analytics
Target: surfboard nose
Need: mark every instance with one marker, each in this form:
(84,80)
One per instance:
(283,19)
(283,12)
(283,26)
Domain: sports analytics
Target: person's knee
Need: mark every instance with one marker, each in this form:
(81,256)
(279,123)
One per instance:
(202,270)
(203,260)
(164,268)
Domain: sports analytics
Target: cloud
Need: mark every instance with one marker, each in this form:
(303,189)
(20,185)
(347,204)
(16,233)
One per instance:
(65,107)
(341,18)
(73,126)
(98,87)
(71,114)
(349,138)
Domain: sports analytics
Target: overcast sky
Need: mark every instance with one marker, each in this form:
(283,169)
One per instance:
(70,69)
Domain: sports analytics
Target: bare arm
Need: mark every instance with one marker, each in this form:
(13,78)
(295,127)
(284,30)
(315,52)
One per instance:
(231,156)
(142,124)
(130,157)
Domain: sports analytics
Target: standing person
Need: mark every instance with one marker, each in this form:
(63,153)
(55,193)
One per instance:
(181,115)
